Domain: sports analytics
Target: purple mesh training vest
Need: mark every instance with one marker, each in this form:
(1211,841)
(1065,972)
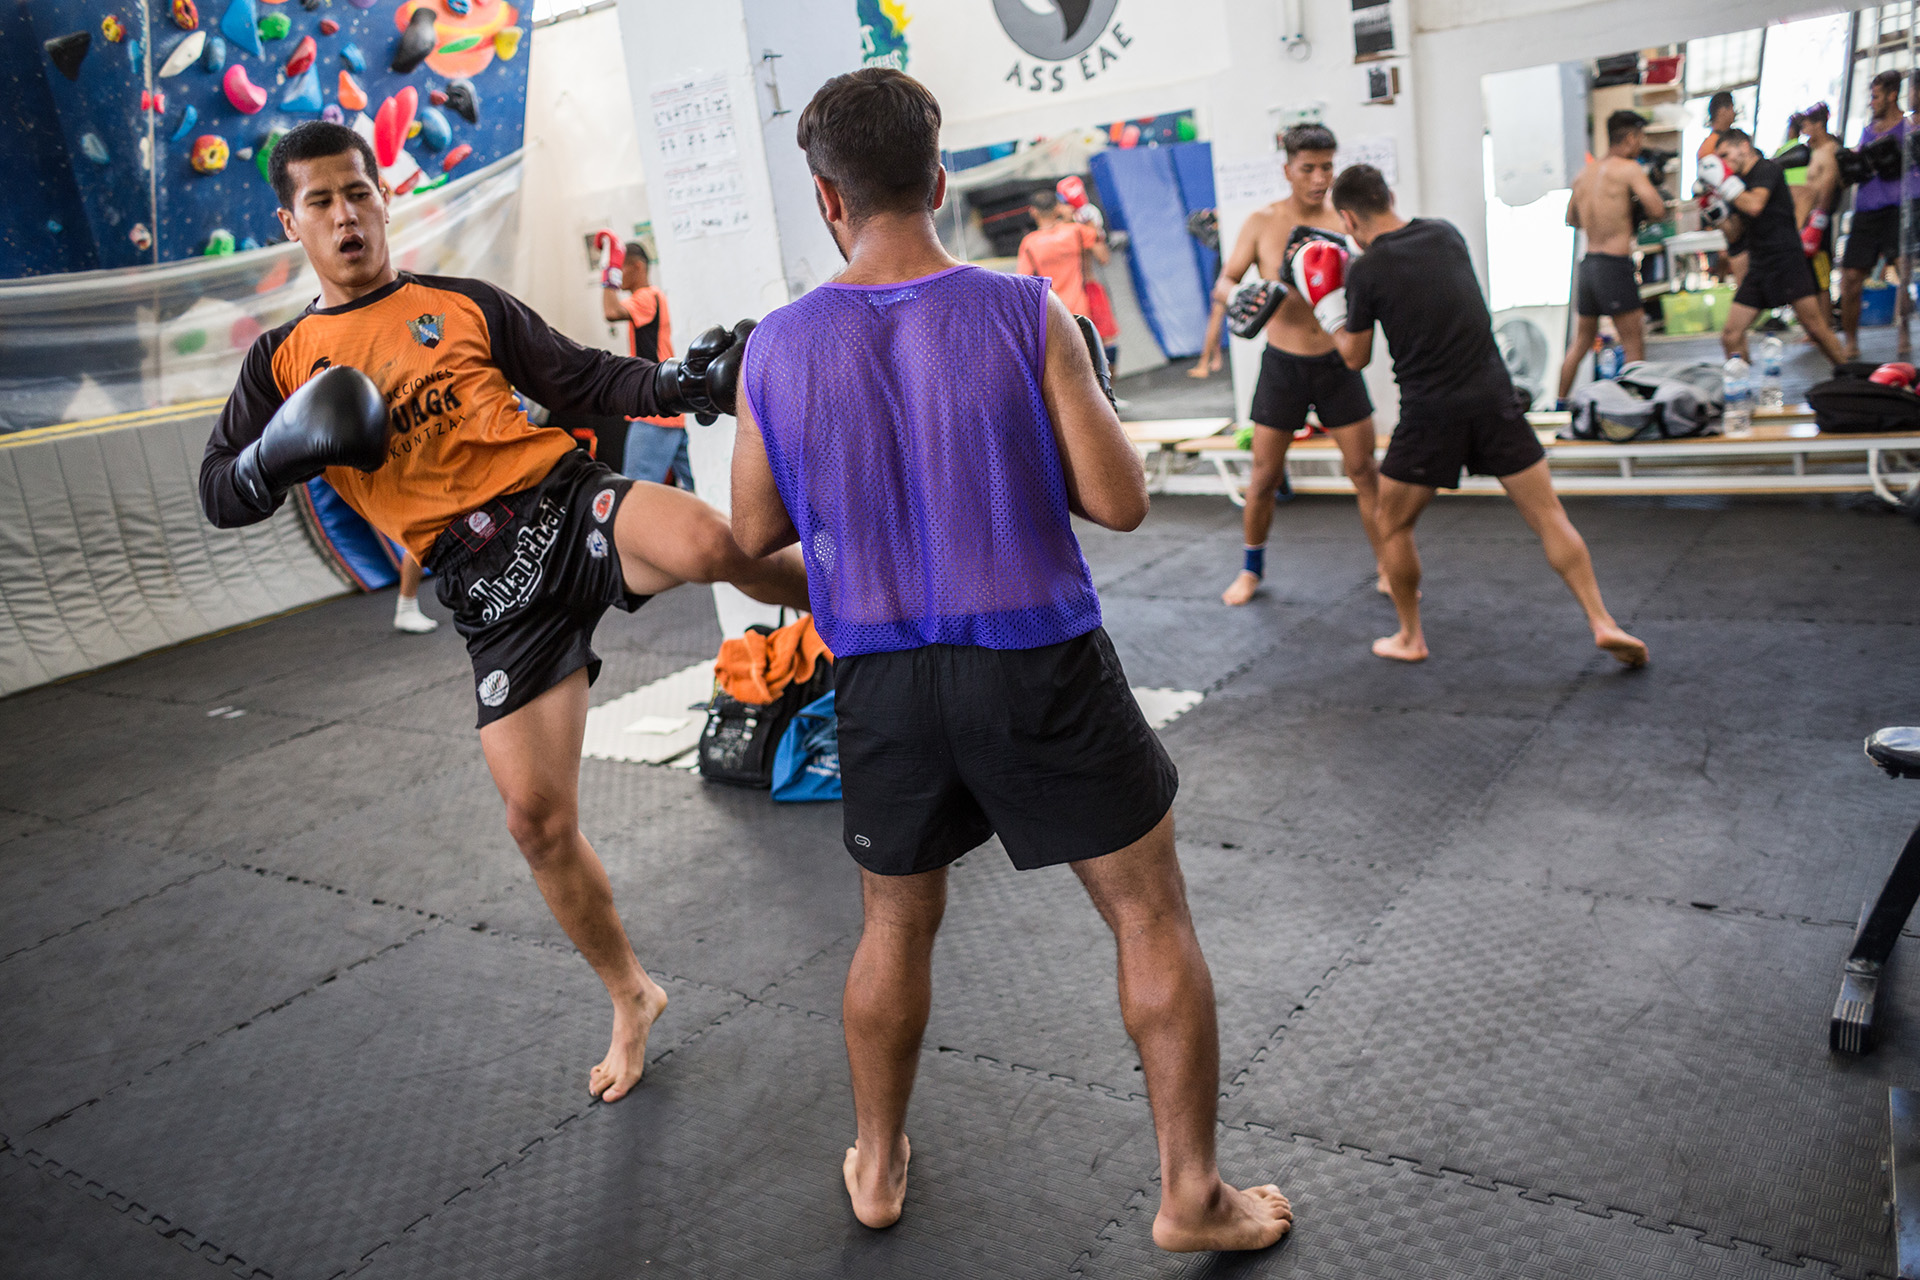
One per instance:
(912,448)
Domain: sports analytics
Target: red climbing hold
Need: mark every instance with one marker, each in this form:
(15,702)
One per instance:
(438,97)
(391,122)
(454,157)
(328,26)
(303,55)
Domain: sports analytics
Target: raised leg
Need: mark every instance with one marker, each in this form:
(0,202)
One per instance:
(1269,465)
(1532,491)
(889,992)
(534,754)
(1399,505)
(668,536)
(1166,1001)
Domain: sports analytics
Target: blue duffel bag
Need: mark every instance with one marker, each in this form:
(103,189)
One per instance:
(806,765)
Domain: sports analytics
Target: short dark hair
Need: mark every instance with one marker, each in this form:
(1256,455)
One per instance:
(315,140)
(1045,199)
(1717,101)
(1622,124)
(1818,111)
(1888,80)
(875,134)
(1735,135)
(1362,190)
(634,249)
(1308,137)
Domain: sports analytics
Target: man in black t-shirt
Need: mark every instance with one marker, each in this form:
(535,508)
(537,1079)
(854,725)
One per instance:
(1457,404)
(1778,274)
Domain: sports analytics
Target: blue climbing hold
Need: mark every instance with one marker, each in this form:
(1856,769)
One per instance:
(53,227)
(435,132)
(249,244)
(133,54)
(188,118)
(94,149)
(240,24)
(215,58)
(356,61)
(303,93)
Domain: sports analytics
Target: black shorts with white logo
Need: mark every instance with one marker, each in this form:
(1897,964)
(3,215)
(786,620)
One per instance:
(1486,434)
(943,746)
(527,577)
(1290,385)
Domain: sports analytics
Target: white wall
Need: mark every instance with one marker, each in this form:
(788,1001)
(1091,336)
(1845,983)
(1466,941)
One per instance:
(582,171)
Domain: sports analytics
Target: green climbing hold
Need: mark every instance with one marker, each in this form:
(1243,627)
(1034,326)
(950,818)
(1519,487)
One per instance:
(263,154)
(1184,129)
(275,26)
(461,45)
(219,244)
(190,341)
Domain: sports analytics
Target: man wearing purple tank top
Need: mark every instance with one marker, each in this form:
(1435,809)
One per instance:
(923,429)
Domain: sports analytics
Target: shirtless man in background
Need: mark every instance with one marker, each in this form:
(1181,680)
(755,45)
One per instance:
(1814,196)
(1602,206)
(1300,369)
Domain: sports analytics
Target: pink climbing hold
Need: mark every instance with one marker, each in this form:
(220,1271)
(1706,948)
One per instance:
(390,124)
(454,157)
(246,96)
(303,55)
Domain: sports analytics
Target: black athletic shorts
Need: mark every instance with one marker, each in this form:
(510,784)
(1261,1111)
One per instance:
(1608,285)
(527,576)
(943,746)
(1872,237)
(1289,385)
(1777,279)
(1487,435)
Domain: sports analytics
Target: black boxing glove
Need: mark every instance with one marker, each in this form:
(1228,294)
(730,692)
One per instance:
(1797,156)
(1854,168)
(337,419)
(1097,349)
(704,381)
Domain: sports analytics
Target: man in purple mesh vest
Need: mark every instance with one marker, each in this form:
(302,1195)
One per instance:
(923,429)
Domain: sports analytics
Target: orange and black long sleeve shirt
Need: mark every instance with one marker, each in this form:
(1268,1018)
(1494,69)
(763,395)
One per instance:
(448,353)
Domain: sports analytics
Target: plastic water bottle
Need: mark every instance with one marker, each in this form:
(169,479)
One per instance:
(1737,380)
(1771,352)
(1608,359)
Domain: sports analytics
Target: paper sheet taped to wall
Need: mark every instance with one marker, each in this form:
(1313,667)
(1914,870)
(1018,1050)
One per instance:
(705,188)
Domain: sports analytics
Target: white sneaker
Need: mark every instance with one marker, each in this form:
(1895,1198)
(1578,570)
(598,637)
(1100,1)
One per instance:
(407,617)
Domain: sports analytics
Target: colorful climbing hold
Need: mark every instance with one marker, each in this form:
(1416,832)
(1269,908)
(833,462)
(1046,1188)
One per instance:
(356,61)
(186,15)
(238,25)
(184,54)
(244,153)
(328,26)
(352,96)
(188,118)
(209,153)
(303,55)
(416,42)
(438,97)
(407,183)
(219,244)
(246,96)
(413,130)
(216,55)
(459,6)
(275,26)
(244,332)
(141,237)
(303,92)
(454,157)
(263,155)
(53,227)
(247,246)
(113,29)
(68,52)
(464,100)
(133,54)
(189,342)
(153,102)
(435,132)
(1184,129)
(94,149)
(390,124)
(332,114)
(363,4)
(506,43)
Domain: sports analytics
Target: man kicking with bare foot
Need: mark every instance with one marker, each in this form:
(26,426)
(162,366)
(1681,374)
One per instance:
(1299,368)
(1457,407)
(923,428)
(400,390)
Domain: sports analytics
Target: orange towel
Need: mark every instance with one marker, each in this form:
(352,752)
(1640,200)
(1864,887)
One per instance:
(757,666)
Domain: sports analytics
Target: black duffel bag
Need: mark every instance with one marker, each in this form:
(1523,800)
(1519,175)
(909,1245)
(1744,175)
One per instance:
(738,743)
(1847,402)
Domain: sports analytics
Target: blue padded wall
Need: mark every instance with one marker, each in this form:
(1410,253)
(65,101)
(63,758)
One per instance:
(1141,190)
(128,170)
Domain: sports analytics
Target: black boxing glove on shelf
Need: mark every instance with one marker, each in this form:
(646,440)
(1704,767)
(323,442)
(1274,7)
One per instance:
(337,419)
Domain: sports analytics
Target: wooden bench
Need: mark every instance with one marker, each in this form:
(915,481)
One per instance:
(1785,453)
(1155,441)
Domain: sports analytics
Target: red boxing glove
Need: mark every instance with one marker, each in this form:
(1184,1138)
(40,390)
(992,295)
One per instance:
(1814,232)
(1320,274)
(609,255)
(1072,191)
(1898,374)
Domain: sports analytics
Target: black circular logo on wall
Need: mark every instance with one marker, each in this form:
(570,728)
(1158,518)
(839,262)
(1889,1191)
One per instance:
(1054,30)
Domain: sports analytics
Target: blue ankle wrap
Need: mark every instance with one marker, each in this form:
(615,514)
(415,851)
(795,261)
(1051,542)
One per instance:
(1256,561)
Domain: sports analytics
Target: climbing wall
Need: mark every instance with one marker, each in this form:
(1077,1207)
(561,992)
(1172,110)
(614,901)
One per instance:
(168,111)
